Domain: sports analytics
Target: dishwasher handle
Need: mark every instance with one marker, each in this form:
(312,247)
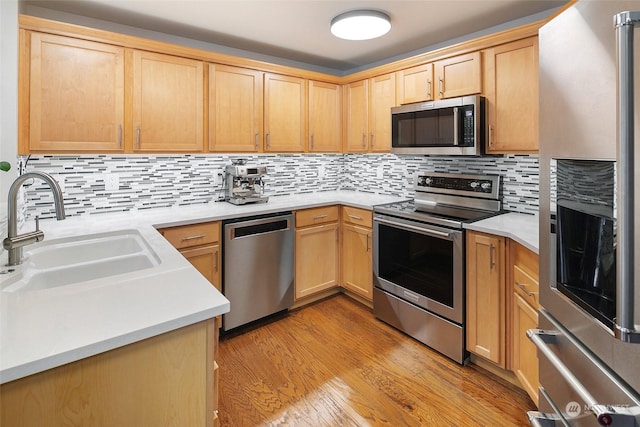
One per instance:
(255,227)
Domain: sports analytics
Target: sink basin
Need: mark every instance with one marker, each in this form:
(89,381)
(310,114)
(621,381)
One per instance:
(66,261)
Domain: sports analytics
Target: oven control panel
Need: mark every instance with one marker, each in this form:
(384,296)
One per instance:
(483,186)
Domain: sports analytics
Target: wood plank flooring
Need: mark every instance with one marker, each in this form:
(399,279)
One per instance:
(333,364)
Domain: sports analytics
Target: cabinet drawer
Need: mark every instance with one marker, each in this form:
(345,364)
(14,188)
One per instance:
(526,260)
(526,286)
(357,216)
(192,235)
(316,216)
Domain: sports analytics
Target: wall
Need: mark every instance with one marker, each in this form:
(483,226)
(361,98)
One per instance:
(8,100)
(147,182)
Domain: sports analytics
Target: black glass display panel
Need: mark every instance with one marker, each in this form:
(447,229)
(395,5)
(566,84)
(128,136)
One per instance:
(433,128)
(419,263)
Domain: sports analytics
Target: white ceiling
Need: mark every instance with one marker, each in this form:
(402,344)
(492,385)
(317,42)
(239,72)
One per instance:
(298,30)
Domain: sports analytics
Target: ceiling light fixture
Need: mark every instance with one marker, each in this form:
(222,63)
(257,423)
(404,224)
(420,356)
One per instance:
(360,25)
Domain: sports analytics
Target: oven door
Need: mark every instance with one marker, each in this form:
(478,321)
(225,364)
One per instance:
(421,264)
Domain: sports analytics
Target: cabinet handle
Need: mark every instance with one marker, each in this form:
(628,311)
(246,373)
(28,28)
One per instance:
(428,88)
(371,140)
(491,260)
(312,141)
(257,139)
(268,140)
(199,236)
(119,136)
(440,86)
(359,218)
(364,136)
(337,235)
(320,216)
(217,261)
(490,135)
(368,247)
(524,289)
(138,136)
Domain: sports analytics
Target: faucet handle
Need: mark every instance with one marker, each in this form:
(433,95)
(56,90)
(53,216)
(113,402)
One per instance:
(37,223)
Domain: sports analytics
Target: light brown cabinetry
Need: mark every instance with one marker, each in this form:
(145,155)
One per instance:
(511,89)
(459,75)
(486,297)
(325,117)
(285,113)
(317,263)
(368,114)
(524,279)
(168,103)
(75,95)
(415,84)
(382,96)
(200,244)
(166,377)
(356,251)
(235,109)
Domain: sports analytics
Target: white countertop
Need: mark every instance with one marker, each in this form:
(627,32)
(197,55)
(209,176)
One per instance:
(522,228)
(42,329)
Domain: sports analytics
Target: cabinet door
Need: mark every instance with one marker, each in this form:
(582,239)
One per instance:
(357,269)
(415,84)
(357,116)
(382,98)
(325,124)
(206,260)
(459,75)
(511,88)
(486,297)
(235,109)
(76,95)
(525,354)
(316,260)
(168,103)
(285,113)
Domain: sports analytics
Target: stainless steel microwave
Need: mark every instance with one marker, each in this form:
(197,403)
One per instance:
(454,126)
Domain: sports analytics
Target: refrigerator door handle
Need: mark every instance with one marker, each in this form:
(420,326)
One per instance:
(605,414)
(625,330)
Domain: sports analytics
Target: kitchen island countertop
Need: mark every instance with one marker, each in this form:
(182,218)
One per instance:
(42,329)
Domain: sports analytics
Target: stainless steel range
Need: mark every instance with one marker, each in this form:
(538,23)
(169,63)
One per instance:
(419,257)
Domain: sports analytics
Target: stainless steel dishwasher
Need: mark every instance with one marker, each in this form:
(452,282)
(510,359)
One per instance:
(257,267)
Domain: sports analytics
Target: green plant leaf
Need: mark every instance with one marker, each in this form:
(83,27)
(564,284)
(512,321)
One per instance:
(5,166)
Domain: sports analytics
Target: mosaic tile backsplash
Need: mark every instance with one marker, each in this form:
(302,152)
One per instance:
(147,182)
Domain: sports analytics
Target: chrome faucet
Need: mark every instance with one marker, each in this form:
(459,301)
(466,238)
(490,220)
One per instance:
(14,242)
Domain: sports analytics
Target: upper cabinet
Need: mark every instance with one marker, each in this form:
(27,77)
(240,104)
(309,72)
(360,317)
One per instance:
(325,117)
(511,88)
(415,84)
(368,114)
(357,116)
(168,103)
(456,76)
(382,96)
(459,75)
(75,95)
(235,109)
(285,113)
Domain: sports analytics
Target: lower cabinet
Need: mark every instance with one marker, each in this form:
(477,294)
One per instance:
(356,252)
(486,318)
(317,262)
(525,286)
(502,304)
(166,377)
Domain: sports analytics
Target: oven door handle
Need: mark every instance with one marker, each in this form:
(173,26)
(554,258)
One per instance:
(423,230)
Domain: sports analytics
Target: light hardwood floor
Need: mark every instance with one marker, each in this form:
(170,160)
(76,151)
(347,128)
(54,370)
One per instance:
(333,364)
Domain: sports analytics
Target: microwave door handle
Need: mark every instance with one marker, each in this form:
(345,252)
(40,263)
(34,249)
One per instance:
(625,323)
(456,118)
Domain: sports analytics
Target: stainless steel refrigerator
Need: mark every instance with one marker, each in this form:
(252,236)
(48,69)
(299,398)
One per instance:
(589,327)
